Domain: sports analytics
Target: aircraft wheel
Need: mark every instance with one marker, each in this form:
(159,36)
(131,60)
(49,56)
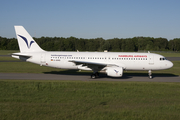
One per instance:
(150,77)
(150,74)
(97,74)
(93,76)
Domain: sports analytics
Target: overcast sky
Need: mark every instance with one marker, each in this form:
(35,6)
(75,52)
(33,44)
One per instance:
(92,18)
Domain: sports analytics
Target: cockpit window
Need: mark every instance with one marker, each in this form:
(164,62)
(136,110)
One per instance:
(162,58)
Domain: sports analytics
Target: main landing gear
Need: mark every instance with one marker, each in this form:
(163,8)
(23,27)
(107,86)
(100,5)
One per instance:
(95,75)
(150,74)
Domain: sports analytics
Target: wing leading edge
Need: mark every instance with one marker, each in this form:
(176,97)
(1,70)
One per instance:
(95,66)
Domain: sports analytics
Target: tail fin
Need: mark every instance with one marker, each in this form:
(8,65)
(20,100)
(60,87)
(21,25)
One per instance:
(25,41)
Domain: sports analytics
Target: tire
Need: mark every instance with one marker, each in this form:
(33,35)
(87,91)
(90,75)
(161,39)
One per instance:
(93,76)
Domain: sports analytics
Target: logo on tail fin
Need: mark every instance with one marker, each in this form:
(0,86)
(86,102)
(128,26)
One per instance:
(26,41)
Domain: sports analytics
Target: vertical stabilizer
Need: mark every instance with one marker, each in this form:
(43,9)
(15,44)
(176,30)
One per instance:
(25,41)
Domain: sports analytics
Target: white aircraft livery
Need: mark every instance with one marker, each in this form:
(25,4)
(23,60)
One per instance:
(113,63)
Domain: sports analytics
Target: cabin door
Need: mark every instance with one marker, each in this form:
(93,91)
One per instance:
(43,58)
(151,59)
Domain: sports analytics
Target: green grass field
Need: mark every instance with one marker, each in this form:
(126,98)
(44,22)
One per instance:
(86,100)
(7,58)
(170,54)
(8,52)
(78,100)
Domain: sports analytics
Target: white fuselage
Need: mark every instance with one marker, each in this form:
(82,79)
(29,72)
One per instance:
(126,60)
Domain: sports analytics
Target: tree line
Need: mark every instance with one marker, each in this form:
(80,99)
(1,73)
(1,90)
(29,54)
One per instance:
(98,44)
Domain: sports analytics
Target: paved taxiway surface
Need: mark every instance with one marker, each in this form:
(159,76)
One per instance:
(31,76)
(173,58)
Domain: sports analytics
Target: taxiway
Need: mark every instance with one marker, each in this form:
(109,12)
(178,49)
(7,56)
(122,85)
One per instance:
(32,76)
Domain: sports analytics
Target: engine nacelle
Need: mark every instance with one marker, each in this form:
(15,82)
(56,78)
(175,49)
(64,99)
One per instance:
(114,71)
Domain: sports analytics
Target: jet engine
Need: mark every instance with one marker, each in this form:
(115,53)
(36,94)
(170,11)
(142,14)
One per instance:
(114,71)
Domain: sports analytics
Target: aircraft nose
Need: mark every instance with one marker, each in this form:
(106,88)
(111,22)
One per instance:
(169,64)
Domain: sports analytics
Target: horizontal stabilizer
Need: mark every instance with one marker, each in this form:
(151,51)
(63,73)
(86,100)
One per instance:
(21,55)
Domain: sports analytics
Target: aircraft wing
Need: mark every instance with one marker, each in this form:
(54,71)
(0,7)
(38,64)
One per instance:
(93,65)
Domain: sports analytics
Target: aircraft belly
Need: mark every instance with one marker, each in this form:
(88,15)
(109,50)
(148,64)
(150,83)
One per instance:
(66,65)
(136,66)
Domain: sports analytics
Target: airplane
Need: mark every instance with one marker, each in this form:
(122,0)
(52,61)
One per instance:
(113,63)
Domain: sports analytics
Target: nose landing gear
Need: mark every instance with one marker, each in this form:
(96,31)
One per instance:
(150,74)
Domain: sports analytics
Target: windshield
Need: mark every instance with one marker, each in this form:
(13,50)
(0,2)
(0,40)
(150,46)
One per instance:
(163,58)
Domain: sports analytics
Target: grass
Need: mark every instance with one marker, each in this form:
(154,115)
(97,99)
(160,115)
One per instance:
(8,52)
(7,58)
(24,67)
(170,54)
(90,100)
